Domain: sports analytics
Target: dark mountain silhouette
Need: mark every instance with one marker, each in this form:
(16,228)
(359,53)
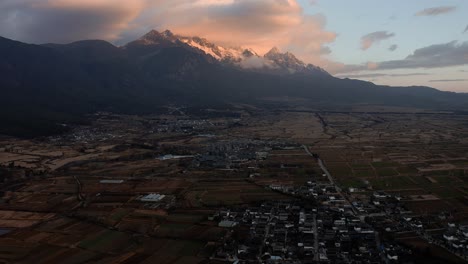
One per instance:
(46,86)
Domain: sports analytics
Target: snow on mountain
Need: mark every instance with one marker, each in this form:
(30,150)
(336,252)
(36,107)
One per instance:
(222,53)
(273,60)
(289,62)
(154,38)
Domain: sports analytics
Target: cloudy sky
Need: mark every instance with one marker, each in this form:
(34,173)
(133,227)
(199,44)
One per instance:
(394,42)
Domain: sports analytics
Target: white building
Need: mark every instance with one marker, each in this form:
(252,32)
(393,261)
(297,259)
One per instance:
(152,197)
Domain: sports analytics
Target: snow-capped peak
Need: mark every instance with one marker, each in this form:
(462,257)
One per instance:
(273,51)
(221,53)
(246,58)
(249,53)
(167,34)
(154,37)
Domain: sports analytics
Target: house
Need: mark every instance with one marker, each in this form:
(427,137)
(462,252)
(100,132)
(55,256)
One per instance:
(111,181)
(450,237)
(227,224)
(392,256)
(152,197)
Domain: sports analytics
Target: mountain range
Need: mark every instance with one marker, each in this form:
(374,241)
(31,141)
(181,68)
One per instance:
(45,87)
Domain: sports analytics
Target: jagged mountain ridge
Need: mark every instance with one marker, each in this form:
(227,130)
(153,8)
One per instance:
(244,58)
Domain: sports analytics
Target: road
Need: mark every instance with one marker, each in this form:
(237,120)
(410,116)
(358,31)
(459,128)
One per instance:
(330,178)
(316,240)
(324,169)
(267,232)
(79,188)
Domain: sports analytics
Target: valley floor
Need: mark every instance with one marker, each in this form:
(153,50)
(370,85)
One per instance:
(180,188)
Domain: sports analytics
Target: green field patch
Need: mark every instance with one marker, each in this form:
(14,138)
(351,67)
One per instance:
(464,188)
(447,192)
(119,214)
(352,182)
(188,260)
(436,162)
(256,190)
(173,249)
(407,170)
(222,198)
(360,165)
(444,180)
(103,241)
(460,162)
(339,169)
(438,172)
(364,173)
(185,218)
(173,229)
(385,172)
(190,248)
(401,182)
(263,197)
(212,234)
(383,164)
(460,173)
(421,180)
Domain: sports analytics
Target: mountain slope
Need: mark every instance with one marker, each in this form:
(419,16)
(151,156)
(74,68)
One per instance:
(244,59)
(47,85)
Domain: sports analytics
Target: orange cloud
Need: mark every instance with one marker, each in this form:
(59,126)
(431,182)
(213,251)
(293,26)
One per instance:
(259,24)
(62,21)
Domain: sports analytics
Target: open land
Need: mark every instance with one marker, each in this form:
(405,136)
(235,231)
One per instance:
(183,188)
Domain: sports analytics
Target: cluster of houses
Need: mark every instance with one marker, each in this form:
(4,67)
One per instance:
(297,232)
(327,225)
(156,200)
(456,239)
(237,153)
(184,125)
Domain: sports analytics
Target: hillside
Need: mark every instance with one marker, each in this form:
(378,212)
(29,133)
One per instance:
(47,86)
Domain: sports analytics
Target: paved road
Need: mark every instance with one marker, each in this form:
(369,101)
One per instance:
(267,232)
(316,240)
(324,169)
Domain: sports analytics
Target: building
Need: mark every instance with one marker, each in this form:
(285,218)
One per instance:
(152,197)
(227,224)
(111,181)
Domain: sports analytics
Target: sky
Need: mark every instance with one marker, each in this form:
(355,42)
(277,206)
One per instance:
(391,42)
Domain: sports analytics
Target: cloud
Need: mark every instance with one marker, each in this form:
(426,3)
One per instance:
(466,29)
(255,62)
(435,56)
(370,39)
(375,75)
(450,80)
(259,24)
(393,47)
(40,21)
(436,11)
